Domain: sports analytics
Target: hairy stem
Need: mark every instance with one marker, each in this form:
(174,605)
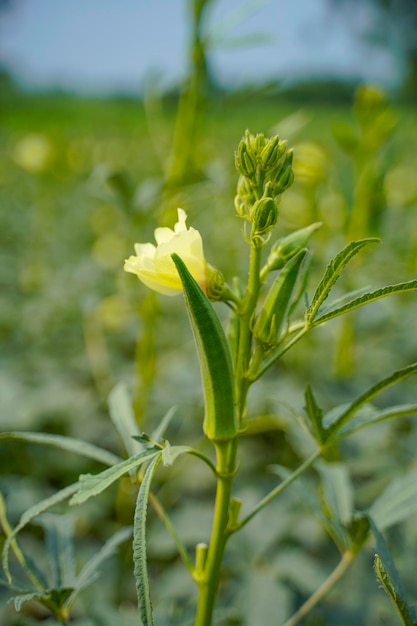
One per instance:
(208,580)
(245,334)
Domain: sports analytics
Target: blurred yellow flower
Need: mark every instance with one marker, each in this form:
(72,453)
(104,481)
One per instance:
(154,266)
(33,153)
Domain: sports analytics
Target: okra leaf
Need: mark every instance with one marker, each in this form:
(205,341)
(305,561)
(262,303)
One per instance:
(337,490)
(315,416)
(89,572)
(51,598)
(69,444)
(332,273)
(93,484)
(389,578)
(335,421)
(121,414)
(220,421)
(139,544)
(274,314)
(396,503)
(369,415)
(59,535)
(30,514)
(330,312)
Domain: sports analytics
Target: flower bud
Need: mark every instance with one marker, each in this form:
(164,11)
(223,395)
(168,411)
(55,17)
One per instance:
(244,160)
(283,178)
(264,216)
(257,142)
(272,152)
(244,198)
(243,188)
(287,247)
(214,284)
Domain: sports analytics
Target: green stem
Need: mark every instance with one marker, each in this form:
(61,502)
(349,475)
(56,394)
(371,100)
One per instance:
(279,489)
(277,354)
(63,616)
(324,588)
(245,334)
(208,579)
(7,529)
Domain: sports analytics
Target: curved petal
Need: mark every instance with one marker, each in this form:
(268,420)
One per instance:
(153,265)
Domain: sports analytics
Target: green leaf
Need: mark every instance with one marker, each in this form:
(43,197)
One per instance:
(142,438)
(332,311)
(220,420)
(397,502)
(93,484)
(337,490)
(66,443)
(334,421)
(369,415)
(121,414)
(274,314)
(388,577)
(403,609)
(139,544)
(31,513)
(332,273)
(51,598)
(20,600)
(90,572)
(315,415)
(336,500)
(59,530)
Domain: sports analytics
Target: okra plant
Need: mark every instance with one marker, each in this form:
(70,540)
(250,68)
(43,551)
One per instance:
(270,313)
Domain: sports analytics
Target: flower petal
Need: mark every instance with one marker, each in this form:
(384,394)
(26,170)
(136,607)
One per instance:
(163,235)
(154,266)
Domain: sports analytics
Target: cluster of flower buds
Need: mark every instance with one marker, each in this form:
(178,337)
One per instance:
(265,168)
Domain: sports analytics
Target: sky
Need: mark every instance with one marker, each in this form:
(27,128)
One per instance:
(103,45)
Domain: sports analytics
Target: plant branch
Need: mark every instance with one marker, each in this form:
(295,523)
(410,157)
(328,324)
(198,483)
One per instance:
(279,489)
(208,579)
(7,529)
(324,588)
(277,354)
(245,336)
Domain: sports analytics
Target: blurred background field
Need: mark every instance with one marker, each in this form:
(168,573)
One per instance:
(83,176)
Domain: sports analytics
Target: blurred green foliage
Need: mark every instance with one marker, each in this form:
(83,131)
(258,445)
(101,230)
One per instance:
(80,182)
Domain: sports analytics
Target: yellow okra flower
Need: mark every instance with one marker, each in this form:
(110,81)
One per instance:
(154,266)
